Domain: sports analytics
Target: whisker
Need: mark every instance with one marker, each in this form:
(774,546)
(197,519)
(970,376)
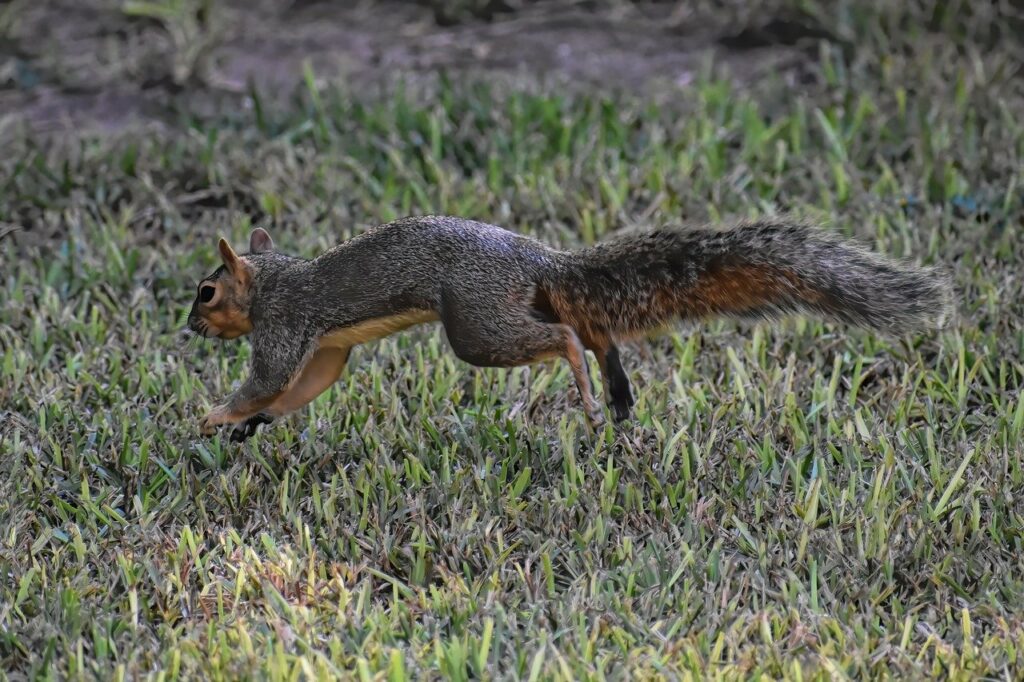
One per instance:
(186,338)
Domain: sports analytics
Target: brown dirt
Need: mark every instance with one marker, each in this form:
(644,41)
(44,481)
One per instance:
(77,65)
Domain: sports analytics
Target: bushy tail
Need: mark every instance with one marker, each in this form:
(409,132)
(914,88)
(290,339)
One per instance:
(766,269)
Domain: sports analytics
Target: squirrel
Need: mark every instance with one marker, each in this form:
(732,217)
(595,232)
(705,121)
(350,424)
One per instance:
(506,299)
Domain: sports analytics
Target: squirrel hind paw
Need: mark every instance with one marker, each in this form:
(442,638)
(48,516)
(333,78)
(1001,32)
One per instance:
(621,410)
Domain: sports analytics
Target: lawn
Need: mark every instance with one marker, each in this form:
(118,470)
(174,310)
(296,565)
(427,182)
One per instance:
(800,501)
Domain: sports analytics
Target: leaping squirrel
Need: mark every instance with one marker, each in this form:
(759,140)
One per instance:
(505,299)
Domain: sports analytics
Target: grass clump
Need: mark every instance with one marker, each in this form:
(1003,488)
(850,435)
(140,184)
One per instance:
(805,501)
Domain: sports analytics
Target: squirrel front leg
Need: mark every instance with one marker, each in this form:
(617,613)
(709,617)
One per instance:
(318,374)
(274,367)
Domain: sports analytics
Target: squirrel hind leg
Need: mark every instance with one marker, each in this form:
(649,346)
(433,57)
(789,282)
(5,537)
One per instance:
(577,358)
(618,393)
(519,340)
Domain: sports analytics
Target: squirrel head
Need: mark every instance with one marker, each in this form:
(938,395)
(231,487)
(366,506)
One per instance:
(221,306)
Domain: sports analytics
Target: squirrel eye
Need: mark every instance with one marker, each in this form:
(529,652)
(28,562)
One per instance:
(206,293)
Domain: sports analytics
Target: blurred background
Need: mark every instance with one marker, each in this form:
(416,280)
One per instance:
(497,85)
(102,63)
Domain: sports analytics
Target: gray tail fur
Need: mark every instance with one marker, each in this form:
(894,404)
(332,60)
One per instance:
(765,269)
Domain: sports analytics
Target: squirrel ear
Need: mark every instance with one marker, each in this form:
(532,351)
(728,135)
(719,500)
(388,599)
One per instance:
(260,241)
(228,255)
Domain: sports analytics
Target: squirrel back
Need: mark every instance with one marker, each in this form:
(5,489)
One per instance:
(764,269)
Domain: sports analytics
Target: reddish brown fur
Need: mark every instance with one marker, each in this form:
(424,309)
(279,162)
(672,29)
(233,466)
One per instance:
(231,322)
(228,313)
(734,289)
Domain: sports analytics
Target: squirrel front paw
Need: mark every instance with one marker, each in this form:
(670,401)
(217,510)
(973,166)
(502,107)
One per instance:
(217,416)
(206,427)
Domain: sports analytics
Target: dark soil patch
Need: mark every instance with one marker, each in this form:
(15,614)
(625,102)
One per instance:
(75,65)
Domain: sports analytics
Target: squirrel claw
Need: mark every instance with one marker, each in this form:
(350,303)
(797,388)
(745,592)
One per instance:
(621,412)
(594,418)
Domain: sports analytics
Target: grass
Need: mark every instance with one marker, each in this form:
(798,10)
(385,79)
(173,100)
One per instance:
(804,502)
